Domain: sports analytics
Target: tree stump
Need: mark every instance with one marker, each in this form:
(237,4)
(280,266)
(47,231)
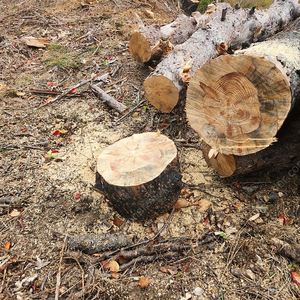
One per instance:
(140,175)
(234,28)
(153,42)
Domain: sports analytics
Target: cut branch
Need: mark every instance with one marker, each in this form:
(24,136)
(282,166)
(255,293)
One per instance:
(153,42)
(107,99)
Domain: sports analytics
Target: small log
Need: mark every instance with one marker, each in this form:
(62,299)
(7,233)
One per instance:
(140,175)
(107,99)
(282,155)
(239,27)
(153,42)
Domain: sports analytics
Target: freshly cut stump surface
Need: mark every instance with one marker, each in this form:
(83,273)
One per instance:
(140,175)
(237,104)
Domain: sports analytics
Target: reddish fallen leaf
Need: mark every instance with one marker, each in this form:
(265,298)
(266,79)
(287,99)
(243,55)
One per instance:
(24,155)
(69,140)
(296,277)
(135,114)
(74,90)
(144,282)
(122,260)
(284,220)
(205,221)
(20,220)
(24,130)
(119,99)
(7,246)
(77,195)
(56,133)
(117,222)
(237,185)
(58,159)
(55,151)
(164,124)
(50,83)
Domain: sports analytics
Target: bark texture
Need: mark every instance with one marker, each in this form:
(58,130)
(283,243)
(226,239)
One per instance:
(152,42)
(237,27)
(145,201)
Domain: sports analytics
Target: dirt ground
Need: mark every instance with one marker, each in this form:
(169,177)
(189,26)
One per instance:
(220,246)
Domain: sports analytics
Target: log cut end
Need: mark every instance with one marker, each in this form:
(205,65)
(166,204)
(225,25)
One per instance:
(161,92)
(222,163)
(137,159)
(238,103)
(140,175)
(139,47)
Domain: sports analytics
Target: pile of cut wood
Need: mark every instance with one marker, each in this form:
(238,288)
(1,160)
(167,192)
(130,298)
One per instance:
(241,68)
(238,97)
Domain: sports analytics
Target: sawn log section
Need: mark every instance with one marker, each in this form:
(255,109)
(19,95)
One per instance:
(283,52)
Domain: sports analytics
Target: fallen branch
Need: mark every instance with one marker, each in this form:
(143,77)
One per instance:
(110,101)
(98,78)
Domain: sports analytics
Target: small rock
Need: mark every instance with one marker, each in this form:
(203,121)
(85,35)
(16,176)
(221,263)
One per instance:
(198,291)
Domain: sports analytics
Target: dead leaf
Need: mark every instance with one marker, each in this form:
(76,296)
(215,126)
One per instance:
(36,42)
(15,213)
(181,203)
(204,204)
(173,270)
(117,222)
(163,269)
(20,94)
(296,277)
(253,218)
(7,246)
(149,13)
(144,282)
(113,266)
(63,131)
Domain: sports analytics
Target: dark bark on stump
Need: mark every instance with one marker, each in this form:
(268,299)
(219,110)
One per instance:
(147,200)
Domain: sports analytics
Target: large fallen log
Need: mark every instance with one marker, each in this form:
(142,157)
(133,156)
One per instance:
(153,42)
(250,126)
(234,28)
(140,175)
